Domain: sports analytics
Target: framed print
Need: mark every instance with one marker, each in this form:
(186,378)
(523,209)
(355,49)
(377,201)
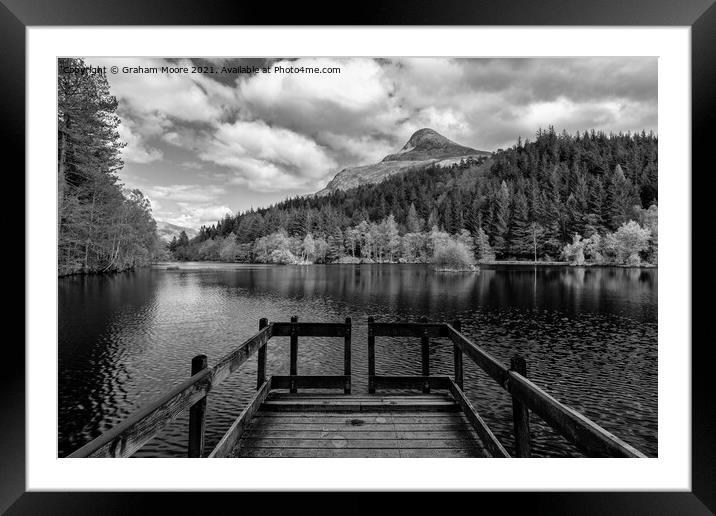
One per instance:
(308,256)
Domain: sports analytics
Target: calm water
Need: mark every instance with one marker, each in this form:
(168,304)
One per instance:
(589,336)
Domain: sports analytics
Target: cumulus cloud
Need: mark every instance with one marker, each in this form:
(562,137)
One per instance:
(189,205)
(186,193)
(136,151)
(357,101)
(184,97)
(266,158)
(197,216)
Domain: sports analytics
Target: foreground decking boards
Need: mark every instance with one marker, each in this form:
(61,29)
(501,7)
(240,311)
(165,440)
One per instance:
(330,425)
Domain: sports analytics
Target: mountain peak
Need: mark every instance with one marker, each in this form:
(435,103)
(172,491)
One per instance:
(425,148)
(425,135)
(429,144)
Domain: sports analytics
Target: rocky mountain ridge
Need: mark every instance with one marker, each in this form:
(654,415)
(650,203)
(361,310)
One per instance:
(425,148)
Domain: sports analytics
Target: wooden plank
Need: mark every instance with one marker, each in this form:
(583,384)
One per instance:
(371,355)
(332,402)
(310,329)
(425,355)
(438,453)
(359,429)
(325,453)
(347,356)
(487,363)
(466,443)
(360,424)
(293,354)
(230,438)
(261,363)
(140,427)
(309,382)
(575,427)
(520,413)
(457,357)
(197,413)
(465,433)
(337,405)
(410,382)
(236,358)
(408,329)
(405,415)
(489,440)
(335,441)
(353,442)
(357,398)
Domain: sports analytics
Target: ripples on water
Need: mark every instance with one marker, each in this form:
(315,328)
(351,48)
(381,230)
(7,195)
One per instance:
(589,336)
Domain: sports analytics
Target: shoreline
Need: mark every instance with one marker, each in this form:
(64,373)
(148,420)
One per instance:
(176,265)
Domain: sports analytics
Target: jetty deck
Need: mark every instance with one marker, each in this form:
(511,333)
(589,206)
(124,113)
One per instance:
(321,417)
(359,425)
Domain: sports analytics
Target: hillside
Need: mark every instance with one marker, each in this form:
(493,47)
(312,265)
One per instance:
(529,199)
(424,149)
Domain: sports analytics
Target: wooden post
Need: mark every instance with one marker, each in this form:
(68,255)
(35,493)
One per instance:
(371,357)
(197,413)
(294,355)
(261,369)
(457,353)
(425,346)
(520,413)
(347,357)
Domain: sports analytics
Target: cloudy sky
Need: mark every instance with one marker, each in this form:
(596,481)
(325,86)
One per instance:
(202,145)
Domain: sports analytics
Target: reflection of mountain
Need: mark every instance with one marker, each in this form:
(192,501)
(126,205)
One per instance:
(423,149)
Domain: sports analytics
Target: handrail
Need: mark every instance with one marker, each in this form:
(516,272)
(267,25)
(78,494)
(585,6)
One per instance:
(141,426)
(131,434)
(486,362)
(310,329)
(587,435)
(575,427)
(408,329)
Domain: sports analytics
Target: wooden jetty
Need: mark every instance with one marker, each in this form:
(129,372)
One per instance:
(399,416)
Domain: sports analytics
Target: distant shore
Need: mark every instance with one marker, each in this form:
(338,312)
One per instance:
(173,265)
(566,264)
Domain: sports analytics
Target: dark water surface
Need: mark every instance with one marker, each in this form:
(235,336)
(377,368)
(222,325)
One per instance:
(589,336)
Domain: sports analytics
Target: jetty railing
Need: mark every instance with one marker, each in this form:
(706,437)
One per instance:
(139,428)
(579,430)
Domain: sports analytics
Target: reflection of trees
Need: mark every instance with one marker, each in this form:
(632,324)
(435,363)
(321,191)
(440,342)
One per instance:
(420,289)
(409,286)
(93,363)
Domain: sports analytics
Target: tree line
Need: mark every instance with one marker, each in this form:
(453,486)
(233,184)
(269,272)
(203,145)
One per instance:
(367,242)
(526,202)
(102,227)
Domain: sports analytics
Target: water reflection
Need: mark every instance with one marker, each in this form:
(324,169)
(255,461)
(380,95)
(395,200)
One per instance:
(589,335)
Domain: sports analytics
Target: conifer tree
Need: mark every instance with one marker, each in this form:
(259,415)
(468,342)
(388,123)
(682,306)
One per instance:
(500,218)
(520,238)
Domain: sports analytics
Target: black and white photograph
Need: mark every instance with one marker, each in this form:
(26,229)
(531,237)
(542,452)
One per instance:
(357,257)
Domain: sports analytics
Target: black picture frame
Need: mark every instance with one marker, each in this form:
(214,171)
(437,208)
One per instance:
(17,15)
